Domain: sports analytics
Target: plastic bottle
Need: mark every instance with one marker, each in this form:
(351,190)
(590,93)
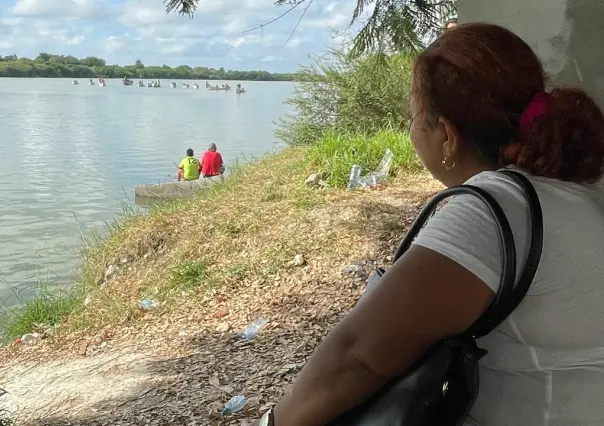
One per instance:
(354,180)
(253,329)
(30,339)
(234,405)
(148,304)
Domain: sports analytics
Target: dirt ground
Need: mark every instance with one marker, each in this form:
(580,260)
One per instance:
(181,367)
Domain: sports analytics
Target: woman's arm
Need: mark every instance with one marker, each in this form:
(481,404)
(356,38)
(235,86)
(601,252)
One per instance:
(423,298)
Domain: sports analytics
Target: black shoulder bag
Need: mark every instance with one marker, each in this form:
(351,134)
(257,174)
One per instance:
(442,386)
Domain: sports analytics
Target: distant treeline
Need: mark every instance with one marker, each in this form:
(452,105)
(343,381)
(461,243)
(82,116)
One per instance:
(57,66)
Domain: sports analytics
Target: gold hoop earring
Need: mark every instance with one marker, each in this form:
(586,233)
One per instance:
(447,166)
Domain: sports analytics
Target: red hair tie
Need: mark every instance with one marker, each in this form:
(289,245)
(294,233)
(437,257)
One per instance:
(539,106)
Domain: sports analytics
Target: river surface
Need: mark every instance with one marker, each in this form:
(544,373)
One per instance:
(71,155)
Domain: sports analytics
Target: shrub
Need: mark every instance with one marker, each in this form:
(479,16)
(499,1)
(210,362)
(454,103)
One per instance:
(336,92)
(335,153)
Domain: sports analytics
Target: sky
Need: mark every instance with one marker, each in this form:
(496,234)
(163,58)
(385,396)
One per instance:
(122,31)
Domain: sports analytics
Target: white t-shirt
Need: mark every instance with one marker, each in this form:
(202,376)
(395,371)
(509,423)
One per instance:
(545,365)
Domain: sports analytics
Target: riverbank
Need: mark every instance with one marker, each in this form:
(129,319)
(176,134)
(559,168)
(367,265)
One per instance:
(262,245)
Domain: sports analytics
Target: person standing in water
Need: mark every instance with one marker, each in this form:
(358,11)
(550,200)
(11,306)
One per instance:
(189,167)
(211,162)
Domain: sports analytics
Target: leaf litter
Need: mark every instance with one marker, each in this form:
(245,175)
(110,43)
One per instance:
(179,365)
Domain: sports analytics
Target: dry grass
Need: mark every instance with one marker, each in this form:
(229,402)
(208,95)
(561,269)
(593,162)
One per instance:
(247,230)
(216,263)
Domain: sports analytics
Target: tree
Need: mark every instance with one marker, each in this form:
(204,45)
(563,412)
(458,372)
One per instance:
(48,65)
(43,57)
(392,25)
(92,61)
(348,95)
(139,64)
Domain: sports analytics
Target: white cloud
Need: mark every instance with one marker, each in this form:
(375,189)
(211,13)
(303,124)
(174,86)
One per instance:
(271,58)
(336,21)
(296,41)
(114,44)
(238,42)
(63,8)
(76,39)
(175,48)
(122,31)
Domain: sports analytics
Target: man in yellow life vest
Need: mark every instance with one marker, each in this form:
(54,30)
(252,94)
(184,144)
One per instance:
(189,167)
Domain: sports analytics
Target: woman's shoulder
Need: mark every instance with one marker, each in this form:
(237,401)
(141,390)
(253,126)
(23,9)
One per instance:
(552,192)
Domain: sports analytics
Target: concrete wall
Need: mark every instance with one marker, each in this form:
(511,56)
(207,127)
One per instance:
(566,34)
(173,190)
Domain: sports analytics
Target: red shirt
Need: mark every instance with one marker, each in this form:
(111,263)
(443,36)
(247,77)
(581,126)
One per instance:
(210,163)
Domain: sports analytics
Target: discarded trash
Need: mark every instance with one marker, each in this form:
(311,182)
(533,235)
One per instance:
(354,179)
(148,304)
(299,260)
(358,269)
(253,329)
(30,339)
(316,180)
(234,405)
(380,174)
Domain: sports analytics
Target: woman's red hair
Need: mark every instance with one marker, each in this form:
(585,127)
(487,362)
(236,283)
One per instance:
(483,78)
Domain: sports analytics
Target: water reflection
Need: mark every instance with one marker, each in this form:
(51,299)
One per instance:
(72,155)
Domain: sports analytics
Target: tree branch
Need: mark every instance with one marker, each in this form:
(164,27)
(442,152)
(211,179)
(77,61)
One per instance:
(277,18)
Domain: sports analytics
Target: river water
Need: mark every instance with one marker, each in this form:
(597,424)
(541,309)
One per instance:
(71,156)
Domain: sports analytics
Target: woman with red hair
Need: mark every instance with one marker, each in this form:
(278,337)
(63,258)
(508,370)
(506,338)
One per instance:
(480,103)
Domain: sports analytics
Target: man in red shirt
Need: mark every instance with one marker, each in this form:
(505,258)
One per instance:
(211,162)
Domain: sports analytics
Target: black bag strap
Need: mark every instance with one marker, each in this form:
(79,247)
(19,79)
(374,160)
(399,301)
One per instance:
(502,311)
(510,294)
(506,238)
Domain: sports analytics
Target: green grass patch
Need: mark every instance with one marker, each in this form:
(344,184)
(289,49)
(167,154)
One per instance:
(238,272)
(189,275)
(47,309)
(334,155)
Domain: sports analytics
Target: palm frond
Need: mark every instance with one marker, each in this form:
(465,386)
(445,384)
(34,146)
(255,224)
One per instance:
(183,7)
(392,26)
(401,25)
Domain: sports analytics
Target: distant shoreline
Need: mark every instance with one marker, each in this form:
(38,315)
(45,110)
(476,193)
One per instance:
(58,66)
(146,78)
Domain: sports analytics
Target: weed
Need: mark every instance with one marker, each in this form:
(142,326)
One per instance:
(189,275)
(335,154)
(47,309)
(238,272)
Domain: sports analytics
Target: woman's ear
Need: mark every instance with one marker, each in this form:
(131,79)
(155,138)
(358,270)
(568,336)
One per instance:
(451,144)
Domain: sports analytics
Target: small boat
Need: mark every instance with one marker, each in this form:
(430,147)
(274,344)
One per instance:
(75,82)
(185,85)
(224,87)
(91,83)
(102,82)
(173,85)
(141,83)
(196,86)
(239,90)
(127,82)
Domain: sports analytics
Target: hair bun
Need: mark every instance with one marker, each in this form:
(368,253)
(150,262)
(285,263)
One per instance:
(561,136)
